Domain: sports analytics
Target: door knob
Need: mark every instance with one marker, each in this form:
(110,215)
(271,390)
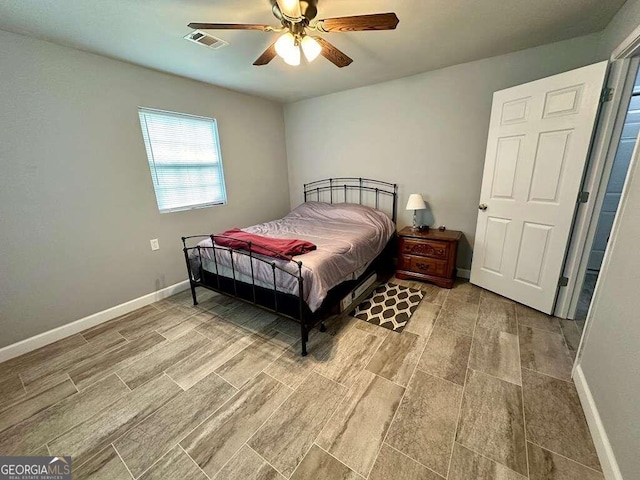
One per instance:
(483,206)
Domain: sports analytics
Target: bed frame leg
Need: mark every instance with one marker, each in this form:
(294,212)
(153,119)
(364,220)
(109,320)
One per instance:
(305,338)
(323,327)
(193,294)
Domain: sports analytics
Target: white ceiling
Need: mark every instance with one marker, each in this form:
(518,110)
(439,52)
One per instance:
(432,34)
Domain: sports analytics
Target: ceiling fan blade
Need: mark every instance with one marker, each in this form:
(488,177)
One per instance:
(229,26)
(358,23)
(332,54)
(291,8)
(268,55)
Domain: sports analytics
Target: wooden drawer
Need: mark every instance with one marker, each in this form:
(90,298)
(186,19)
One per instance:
(426,266)
(425,248)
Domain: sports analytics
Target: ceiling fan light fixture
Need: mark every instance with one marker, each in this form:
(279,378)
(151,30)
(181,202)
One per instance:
(287,49)
(311,48)
(293,57)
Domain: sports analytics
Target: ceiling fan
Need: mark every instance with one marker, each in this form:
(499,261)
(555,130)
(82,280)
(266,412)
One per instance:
(295,17)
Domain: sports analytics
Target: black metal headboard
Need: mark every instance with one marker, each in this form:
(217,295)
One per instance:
(343,186)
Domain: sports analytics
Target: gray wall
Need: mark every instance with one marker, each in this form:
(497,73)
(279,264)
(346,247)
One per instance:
(610,356)
(611,351)
(428,132)
(77,207)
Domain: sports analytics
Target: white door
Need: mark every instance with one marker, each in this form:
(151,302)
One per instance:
(539,138)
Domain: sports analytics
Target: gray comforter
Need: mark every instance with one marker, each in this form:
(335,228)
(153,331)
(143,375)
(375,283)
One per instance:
(348,237)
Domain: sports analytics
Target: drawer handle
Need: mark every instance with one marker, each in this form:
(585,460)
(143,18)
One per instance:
(423,266)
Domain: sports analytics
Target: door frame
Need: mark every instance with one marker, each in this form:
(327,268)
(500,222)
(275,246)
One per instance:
(622,74)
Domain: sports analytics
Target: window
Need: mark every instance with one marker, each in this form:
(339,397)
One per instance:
(184,159)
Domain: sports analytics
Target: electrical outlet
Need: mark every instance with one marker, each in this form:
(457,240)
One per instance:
(155,245)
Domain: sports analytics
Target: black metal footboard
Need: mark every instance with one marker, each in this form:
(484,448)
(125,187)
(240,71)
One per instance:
(268,298)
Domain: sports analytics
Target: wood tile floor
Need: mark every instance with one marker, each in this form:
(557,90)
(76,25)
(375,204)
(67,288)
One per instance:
(476,387)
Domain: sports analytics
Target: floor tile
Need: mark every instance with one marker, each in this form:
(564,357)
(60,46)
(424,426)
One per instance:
(292,369)
(348,355)
(152,365)
(319,465)
(446,355)
(32,404)
(246,364)
(572,336)
(458,315)
(356,431)
(555,420)
(494,297)
(285,325)
(262,321)
(464,291)
(88,438)
(496,353)
(425,423)
(33,377)
(106,465)
(11,391)
(219,437)
(182,325)
(546,465)
(174,465)
(185,299)
(148,324)
(468,465)
(498,316)
(287,436)
(397,357)
(339,325)
(145,443)
(46,353)
(491,420)
(115,359)
(139,315)
(244,313)
(422,321)
(393,465)
(432,293)
(248,465)
(533,318)
(219,331)
(43,451)
(207,359)
(545,352)
(47,425)
(373,329)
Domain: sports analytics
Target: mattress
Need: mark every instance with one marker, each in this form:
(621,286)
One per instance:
(348,238)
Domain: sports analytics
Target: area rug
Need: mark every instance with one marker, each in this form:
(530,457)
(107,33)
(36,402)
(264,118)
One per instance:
(389,306)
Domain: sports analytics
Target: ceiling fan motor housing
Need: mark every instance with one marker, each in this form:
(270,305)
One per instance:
(309,9)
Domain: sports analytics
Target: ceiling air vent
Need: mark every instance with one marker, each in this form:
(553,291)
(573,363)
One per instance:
(198,36)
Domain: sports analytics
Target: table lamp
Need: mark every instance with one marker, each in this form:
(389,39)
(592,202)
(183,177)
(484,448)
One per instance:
(416,202)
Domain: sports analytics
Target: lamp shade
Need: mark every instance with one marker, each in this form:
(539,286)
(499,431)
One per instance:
(416,202)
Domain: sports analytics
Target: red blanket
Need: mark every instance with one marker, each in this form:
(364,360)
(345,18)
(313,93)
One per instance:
(267,246)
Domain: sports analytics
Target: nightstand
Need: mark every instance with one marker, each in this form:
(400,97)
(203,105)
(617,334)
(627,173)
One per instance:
(429,256)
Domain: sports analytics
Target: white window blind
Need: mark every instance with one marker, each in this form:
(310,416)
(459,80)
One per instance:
(184,159)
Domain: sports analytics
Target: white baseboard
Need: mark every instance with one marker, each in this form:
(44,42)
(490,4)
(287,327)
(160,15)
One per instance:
(464,273)
(45,338)
(607,458)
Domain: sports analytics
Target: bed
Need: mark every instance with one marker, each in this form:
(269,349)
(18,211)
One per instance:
(352,223)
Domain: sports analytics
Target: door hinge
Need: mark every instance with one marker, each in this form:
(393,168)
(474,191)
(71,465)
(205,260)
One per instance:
(563,282)
(583,197)
(606,95)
